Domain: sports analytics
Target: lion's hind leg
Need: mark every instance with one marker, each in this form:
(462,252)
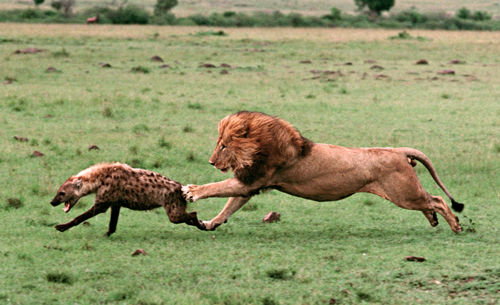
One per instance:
(406,191)
(440,206)
(431,217)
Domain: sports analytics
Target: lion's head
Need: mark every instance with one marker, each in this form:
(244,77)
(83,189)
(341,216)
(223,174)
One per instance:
(253,143)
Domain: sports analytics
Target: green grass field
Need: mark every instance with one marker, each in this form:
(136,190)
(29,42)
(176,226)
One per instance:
(165,119)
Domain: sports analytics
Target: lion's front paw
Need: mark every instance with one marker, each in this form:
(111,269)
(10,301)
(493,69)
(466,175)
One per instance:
(210,225)
(189,192)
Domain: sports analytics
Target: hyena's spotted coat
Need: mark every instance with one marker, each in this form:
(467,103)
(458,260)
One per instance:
(118,185)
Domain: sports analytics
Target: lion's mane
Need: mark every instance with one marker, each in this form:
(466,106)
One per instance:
(259,143)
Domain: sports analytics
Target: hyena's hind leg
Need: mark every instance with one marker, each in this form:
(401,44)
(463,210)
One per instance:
(177,214)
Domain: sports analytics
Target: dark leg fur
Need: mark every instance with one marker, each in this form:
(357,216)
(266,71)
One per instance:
(115,212)
(94,210)
(435,217)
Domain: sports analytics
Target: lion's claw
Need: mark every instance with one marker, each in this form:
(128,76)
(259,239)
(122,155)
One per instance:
(186,192)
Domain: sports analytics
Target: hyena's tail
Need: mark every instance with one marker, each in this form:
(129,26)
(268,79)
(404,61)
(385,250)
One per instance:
(414,154)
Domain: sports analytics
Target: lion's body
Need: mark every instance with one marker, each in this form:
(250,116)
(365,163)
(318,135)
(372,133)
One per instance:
(278,157)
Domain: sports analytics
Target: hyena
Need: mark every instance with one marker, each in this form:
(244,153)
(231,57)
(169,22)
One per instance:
(118,185)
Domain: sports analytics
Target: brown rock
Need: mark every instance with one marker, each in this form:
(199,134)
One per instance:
(157,58)
(446,72)
(415,259)
(139,252)
(20,139)
(36,153)
(272,217)
(422,62)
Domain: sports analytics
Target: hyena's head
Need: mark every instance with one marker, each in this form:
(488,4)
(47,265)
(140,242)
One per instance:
(69,193)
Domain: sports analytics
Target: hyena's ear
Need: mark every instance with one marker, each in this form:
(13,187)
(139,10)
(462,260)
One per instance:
(78,183)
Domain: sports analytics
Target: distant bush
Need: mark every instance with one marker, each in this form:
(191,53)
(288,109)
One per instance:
(129,14)
(463,13)
(481,16)
(162,7)
(464,19)
(163,19)
(411,16)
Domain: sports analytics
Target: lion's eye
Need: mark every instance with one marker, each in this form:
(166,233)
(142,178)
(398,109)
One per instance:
(222,147)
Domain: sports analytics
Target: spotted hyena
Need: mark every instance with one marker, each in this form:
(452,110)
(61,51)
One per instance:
(118,185)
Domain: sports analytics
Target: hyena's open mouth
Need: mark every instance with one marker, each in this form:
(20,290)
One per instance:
(68,205)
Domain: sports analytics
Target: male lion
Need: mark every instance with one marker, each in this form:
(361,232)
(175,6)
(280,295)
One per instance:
(266,152)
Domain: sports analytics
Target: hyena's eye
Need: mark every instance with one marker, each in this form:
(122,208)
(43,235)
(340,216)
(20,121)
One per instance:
(62,193)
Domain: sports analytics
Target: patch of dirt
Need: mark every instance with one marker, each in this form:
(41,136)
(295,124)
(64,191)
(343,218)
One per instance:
(20,139)
(29,51)
(37,153)
(156,58)
(446,72)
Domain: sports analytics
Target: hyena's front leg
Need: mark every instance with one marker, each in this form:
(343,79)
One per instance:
(113,221)
(94,210)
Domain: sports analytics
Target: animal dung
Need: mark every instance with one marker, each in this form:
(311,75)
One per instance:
(29,51)
(37,153)
(376,67)
(272,217)
(446,72)
(207,66)
(104,65)
(139,252)
(20,139)
(457,62)
(422,62)
(415,259)
(52,70)
(157,58)
(93,147)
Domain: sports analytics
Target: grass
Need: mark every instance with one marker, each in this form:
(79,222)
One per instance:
(347,252)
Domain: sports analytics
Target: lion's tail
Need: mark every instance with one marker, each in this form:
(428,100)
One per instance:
(414,154)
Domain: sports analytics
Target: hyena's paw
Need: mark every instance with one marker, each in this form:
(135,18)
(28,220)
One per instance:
(62,227)
(189,192)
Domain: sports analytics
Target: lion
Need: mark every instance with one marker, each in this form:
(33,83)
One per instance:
(266,152)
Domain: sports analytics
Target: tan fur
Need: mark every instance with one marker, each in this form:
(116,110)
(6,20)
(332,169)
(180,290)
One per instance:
(118,185)
(267,152)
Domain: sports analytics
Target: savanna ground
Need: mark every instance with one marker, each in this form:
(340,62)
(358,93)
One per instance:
(306,7)
(348,87)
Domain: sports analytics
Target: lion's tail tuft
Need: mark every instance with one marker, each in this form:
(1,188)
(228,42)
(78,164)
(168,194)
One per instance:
(457,206)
